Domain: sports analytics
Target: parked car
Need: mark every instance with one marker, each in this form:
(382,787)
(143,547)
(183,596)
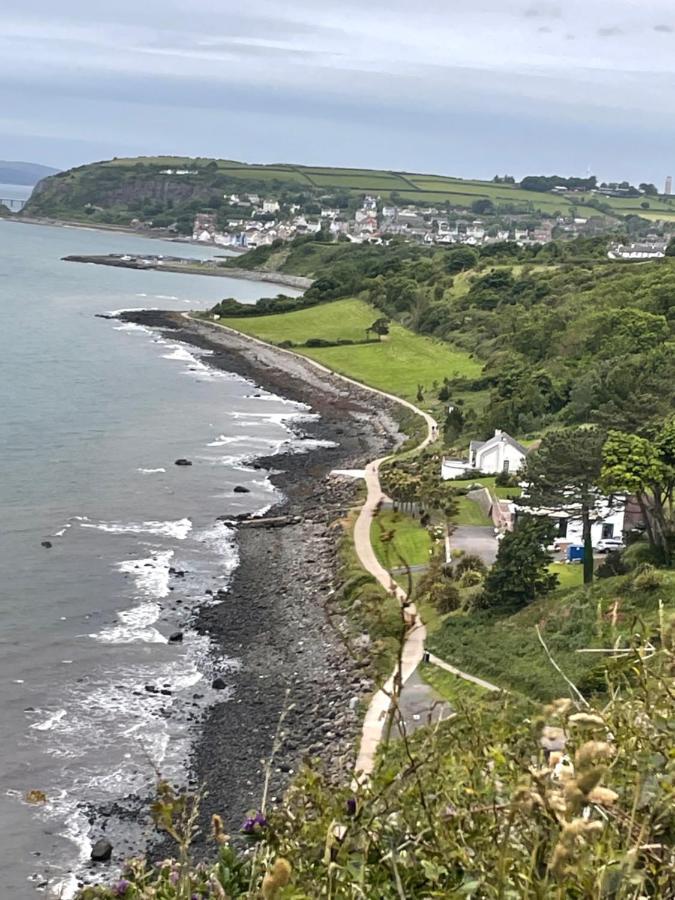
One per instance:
(607,545)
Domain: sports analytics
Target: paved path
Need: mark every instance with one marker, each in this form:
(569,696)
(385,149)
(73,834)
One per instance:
(375,720)
(437,661)
(477,539)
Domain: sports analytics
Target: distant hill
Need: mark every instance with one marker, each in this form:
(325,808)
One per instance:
(23,172)
(165,189)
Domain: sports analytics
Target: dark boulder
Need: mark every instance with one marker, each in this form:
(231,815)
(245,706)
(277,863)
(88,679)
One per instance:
(46,544)
(240,489)
(218,684)
(176,637)
(183,462)
(102,850)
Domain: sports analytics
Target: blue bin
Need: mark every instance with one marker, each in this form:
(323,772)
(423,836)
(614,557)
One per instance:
(575,553)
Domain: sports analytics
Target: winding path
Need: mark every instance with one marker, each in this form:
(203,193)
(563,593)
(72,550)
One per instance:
(375,720)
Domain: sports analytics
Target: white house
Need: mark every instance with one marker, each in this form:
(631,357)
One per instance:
(270,206)
(609,520)
(501,453)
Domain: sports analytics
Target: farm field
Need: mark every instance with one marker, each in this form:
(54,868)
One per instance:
(398,364)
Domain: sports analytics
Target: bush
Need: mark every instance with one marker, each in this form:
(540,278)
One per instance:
(318,342)
(503,479)
(471,578)
(647,578)
(469,562)
(446,597)
(613,564)
(640,553)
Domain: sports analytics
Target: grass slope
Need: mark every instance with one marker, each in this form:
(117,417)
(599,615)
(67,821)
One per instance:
(397,364)
(410,541)
(505,649)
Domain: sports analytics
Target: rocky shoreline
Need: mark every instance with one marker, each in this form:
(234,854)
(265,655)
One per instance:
(272,615)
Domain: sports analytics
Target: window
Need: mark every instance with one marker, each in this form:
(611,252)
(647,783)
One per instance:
(608,530)
(505,467)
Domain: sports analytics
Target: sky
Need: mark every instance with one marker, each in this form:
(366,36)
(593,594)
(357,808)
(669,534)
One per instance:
(448,86)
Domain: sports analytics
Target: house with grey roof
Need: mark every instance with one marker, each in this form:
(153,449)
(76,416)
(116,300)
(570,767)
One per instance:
(500,453)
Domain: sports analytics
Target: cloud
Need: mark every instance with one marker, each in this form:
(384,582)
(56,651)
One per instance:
(544,10)
(609,31)
(665,29)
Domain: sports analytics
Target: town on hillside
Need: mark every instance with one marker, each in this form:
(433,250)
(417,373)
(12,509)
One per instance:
(258,221)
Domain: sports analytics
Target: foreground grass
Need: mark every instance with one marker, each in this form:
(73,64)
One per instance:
(450,687)
(505,649)
(570,575)
(398,364)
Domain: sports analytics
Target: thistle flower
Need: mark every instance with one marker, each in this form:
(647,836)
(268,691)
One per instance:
(219,835)
(589,719)
(120,887)
(603,796)
(278,877)
(254,824)
(591,752)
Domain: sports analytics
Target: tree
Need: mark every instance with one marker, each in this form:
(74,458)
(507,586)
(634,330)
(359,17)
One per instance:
(646,467)
(520,573)
(379,327)
(564,473)
(649,189)
(670,250)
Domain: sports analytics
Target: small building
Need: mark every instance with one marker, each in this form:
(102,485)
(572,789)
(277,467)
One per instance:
(501,453)
(270,206)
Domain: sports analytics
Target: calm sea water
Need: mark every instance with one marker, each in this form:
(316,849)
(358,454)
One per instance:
(93,415)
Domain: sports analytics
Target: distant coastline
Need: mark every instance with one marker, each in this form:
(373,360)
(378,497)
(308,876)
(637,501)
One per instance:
(187,266)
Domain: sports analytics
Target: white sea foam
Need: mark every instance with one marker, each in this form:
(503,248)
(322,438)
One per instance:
(180,528)
(151,471)
(50,722)
(151,575)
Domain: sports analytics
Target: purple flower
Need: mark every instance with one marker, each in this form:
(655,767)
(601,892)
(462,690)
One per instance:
(120,887)
(254,824)
(174,877)
(351,806)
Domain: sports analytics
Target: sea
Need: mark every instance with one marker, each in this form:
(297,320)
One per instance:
(97,525)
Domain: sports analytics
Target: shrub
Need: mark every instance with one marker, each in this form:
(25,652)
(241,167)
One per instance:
(647,578)
(613,564)
(446,597)
(471,578)
(469,562)
(640,553)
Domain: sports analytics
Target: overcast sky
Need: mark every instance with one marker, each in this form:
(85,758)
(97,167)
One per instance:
(460,87)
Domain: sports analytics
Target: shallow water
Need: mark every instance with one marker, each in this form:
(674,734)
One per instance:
(93,415)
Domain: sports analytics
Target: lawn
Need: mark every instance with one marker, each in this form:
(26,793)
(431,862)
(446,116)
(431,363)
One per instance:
(506,650)
(398,364)
(570,575)
(470,513)
(411,543)
(488,481)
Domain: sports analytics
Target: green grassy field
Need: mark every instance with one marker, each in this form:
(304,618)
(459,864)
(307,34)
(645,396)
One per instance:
(411,542)
(505,649)
(397,364)
(569,575)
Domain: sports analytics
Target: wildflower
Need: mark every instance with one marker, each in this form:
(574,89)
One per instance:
(589,719)
(603,796)
(351,806)
(219,835)
(559,707)
(121,887)
(174,877)
(582,828)
(591,752)
(278,877)
(254,824)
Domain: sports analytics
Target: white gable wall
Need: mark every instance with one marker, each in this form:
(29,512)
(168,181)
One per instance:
(499,457)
